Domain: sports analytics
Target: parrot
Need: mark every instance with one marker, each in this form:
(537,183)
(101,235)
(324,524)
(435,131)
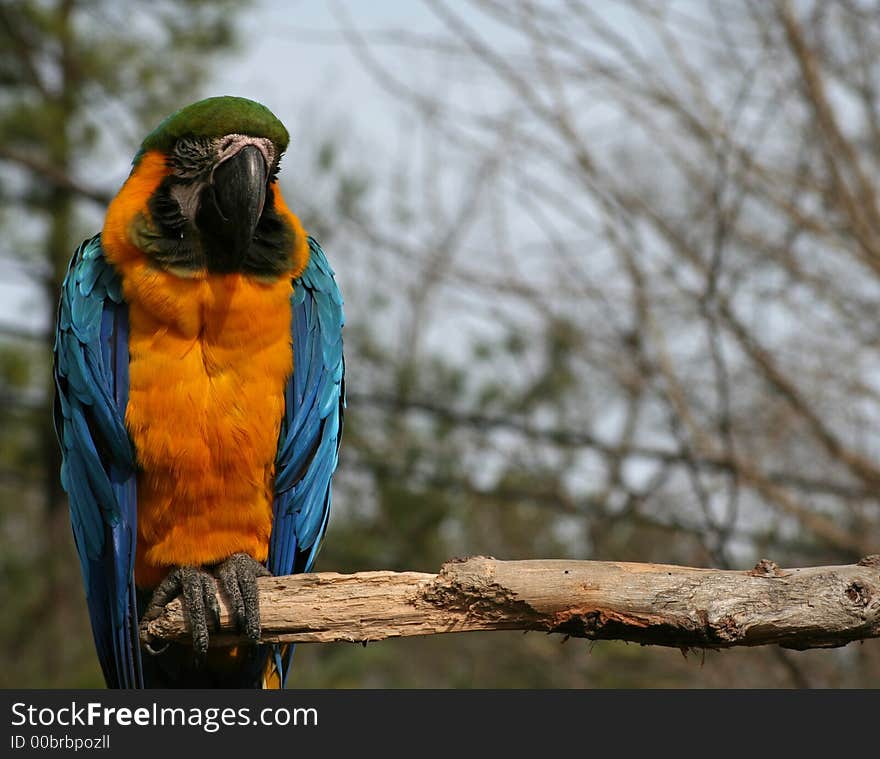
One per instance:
(199,398)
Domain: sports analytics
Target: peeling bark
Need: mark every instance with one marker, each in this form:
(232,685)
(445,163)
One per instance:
(658,604)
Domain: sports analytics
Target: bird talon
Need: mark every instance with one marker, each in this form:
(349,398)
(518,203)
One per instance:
(148,647)
(198,593)
(238,578)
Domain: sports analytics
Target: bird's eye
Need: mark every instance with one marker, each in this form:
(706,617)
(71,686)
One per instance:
(191,156)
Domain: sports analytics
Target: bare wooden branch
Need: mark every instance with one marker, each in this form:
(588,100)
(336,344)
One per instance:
(814,607)
(54,175)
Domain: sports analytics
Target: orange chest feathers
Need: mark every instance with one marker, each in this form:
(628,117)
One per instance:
(210,356)
(209,359)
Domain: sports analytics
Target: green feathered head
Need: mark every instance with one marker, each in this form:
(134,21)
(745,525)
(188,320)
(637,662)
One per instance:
(216,117)
(216,207)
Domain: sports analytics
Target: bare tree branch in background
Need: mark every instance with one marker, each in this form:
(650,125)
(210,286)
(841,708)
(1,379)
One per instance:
(691,219)
(55,176)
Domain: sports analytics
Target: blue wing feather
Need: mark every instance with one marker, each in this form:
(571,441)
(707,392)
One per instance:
(310,432)
(98,463)
(308,444)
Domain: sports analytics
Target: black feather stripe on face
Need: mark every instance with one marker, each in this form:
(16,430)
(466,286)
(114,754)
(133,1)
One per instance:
(273,243)
(193,156)
(165,235)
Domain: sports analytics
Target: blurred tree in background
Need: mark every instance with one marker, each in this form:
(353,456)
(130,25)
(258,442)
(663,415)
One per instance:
(635,257)
(614,297)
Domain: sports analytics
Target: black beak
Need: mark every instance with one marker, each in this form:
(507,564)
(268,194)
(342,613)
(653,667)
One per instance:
(231,207)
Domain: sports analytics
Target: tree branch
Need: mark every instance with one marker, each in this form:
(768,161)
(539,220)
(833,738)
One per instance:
(815,607)
(580,438)
(54,175)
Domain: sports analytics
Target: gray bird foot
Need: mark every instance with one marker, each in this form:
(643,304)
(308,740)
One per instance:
(198,590)
(238,578)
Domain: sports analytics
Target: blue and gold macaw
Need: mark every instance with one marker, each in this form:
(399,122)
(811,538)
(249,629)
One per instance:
(199,396)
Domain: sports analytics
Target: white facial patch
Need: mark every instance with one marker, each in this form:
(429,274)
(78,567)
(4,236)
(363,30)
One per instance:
(187,197)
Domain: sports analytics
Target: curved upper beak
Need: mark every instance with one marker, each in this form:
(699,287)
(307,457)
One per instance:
(239,190)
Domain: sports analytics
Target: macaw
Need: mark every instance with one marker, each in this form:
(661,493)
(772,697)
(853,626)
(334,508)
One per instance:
(199,397)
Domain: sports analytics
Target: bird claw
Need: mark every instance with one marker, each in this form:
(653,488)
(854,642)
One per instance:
(198,590)
(201,608)
(238,578)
